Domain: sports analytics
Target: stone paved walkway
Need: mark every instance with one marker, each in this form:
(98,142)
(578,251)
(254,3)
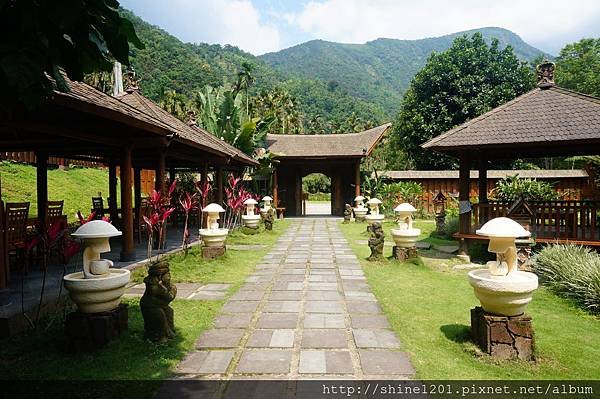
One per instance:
(306,312)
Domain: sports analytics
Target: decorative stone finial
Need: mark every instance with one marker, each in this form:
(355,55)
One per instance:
(191,118)
(132,81)
(545,74)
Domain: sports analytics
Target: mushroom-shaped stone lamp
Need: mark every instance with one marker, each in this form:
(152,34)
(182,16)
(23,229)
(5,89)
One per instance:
(213,211)
(374,205)
(502,289)
(250,205)
(250,219)
(404,213)
(267,201)
(99,287)
(359,201)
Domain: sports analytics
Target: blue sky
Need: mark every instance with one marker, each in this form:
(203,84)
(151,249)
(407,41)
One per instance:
(260,26)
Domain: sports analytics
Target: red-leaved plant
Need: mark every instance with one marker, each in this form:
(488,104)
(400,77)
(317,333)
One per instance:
(188,202)
(160,210)
(204,189)
(235,194)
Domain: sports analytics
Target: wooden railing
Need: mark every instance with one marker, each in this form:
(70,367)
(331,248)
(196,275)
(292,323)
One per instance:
(562,220)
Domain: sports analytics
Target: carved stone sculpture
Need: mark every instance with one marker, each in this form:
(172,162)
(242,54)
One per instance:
(347,213)
(269,219)
(158,315)
(376,241)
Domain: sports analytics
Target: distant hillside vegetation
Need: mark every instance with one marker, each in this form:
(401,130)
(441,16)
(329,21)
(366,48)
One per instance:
(378,71)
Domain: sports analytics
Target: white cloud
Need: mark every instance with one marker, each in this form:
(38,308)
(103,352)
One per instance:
(358,21)
(236,22)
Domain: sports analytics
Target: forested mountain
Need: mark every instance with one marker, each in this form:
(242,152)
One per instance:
(331,81)
(378,71)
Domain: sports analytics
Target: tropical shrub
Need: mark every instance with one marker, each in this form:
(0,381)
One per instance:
(451,225)
(393,194)
(572,271)
(316,183)
(513,188)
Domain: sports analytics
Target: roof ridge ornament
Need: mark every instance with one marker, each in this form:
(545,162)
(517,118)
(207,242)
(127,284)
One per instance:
(191,118)
(545,74)
(132,81)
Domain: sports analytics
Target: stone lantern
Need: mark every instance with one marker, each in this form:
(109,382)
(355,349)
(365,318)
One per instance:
(439,207)
(374,216)
(96,290)
(266,205)
(360,211)
(405,236)
(213,237)
(250,220)
(500,326)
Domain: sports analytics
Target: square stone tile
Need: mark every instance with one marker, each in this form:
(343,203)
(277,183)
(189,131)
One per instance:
(378,362)
(323,296)
(285,295)
(247,296)
(254,287)
(271,339)
(220,338)
(312,362)
(188,286)
(289,278)
(322,286)
(184,294)
(359,296)
(205,362)
(288,286)
(238,320)
(208,295)
(324,339)
(298,272)
(375,338)
(369,321)
(282,307)
(278,320)
(319,320)
(240,306)
(363,307)
(324,307)
(322,279)
(263,361)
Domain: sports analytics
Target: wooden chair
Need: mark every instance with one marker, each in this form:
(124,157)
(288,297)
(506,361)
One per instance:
(54,210)
(15,227)
(98,207)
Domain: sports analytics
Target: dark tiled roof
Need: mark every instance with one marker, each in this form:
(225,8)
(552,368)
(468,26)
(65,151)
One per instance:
(194,134)
(491,174)
(549,116)
(325,145)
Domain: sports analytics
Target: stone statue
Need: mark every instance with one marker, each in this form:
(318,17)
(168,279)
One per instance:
(347,213)
(158,315)
(269,219)
(376,241)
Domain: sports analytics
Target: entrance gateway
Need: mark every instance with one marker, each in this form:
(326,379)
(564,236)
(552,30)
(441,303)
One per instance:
(335,155)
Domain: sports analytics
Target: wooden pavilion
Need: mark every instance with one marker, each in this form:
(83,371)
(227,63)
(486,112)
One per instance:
(544,122)
(129,132)
(335,155)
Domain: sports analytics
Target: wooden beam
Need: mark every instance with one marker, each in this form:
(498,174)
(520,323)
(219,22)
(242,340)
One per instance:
(112,190)
(483,189)
(128,250)
(41,163)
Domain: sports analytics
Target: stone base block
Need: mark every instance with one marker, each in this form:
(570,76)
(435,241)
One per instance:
(403,254)
(503,337)
(213,252)
(88,332)
(359,219)
(250,230)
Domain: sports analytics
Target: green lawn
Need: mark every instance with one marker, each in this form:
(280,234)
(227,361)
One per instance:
(76,186)
(37,355)
(428,307)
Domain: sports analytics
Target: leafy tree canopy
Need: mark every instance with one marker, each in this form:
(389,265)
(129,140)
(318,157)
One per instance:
(42,37)
(578,67)
(463,82)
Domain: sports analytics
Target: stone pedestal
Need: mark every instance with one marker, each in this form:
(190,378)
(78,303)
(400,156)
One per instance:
(88,332)
(213,252)
(359,219)
(403,254)
(503,337)
(440,223)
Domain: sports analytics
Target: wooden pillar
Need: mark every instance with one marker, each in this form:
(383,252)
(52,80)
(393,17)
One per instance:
(483,190)
(112,191)
(464,186)
(357,179)
(298,193)
(171,175)
(204,173)
(159,183)
(41,163)
(4,269)
(127,250)
(219,182)
(275,189)
(137,189)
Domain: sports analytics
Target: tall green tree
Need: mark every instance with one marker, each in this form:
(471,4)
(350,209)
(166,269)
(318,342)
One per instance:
(578,67)
(282,106)
(461,83)
(41,38)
